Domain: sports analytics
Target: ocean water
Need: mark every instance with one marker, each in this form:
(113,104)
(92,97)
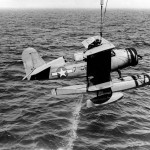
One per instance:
(32,119)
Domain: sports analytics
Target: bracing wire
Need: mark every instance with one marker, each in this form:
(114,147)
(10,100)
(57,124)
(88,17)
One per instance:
(105,10)
(103,18)
(101,23)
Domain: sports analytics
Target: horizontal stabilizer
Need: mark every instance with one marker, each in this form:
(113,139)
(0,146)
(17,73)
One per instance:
(54,63)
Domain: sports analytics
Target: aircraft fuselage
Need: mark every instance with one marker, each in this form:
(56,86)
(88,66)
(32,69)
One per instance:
(120,59)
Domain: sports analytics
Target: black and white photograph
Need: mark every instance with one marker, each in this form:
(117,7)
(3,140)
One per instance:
(74,74)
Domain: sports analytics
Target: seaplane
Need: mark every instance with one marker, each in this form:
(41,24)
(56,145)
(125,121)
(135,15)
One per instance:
(96,63)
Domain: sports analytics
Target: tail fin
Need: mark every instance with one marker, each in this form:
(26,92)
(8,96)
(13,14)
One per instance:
(31,60)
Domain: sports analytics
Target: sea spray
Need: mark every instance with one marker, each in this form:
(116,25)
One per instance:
(74,125)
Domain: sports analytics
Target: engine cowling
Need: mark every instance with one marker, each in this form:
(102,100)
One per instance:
(122,58)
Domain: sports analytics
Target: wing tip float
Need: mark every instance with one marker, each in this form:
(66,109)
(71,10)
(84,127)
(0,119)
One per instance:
(105,100)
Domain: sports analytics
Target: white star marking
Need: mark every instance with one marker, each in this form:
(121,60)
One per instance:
(62,72)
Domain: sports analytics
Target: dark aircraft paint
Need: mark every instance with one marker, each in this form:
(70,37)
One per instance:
(99,67)
(42,75)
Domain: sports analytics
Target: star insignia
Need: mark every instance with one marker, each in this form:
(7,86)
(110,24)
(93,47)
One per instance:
(62,72)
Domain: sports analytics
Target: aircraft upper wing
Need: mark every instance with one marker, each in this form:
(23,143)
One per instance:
(88,41)
(93,46)
(99,68)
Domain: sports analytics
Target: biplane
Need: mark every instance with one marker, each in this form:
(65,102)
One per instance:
(37,69)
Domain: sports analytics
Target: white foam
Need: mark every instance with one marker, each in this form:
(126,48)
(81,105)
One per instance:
(74,125)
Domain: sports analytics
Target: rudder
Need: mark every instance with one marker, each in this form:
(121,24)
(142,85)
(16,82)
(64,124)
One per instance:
(31,60)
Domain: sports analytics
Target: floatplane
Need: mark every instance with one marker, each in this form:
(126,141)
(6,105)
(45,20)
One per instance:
(96,63)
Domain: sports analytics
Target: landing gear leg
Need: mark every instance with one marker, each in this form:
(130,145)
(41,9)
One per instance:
(119,73)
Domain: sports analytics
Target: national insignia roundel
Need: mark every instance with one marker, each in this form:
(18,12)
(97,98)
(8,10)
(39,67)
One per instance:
(62,72)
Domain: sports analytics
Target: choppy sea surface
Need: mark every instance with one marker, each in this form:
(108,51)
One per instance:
(32,119)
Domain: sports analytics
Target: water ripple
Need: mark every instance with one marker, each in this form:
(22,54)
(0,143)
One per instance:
(32,119)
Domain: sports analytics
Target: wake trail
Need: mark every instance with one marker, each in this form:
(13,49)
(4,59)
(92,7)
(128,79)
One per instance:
(74,125)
